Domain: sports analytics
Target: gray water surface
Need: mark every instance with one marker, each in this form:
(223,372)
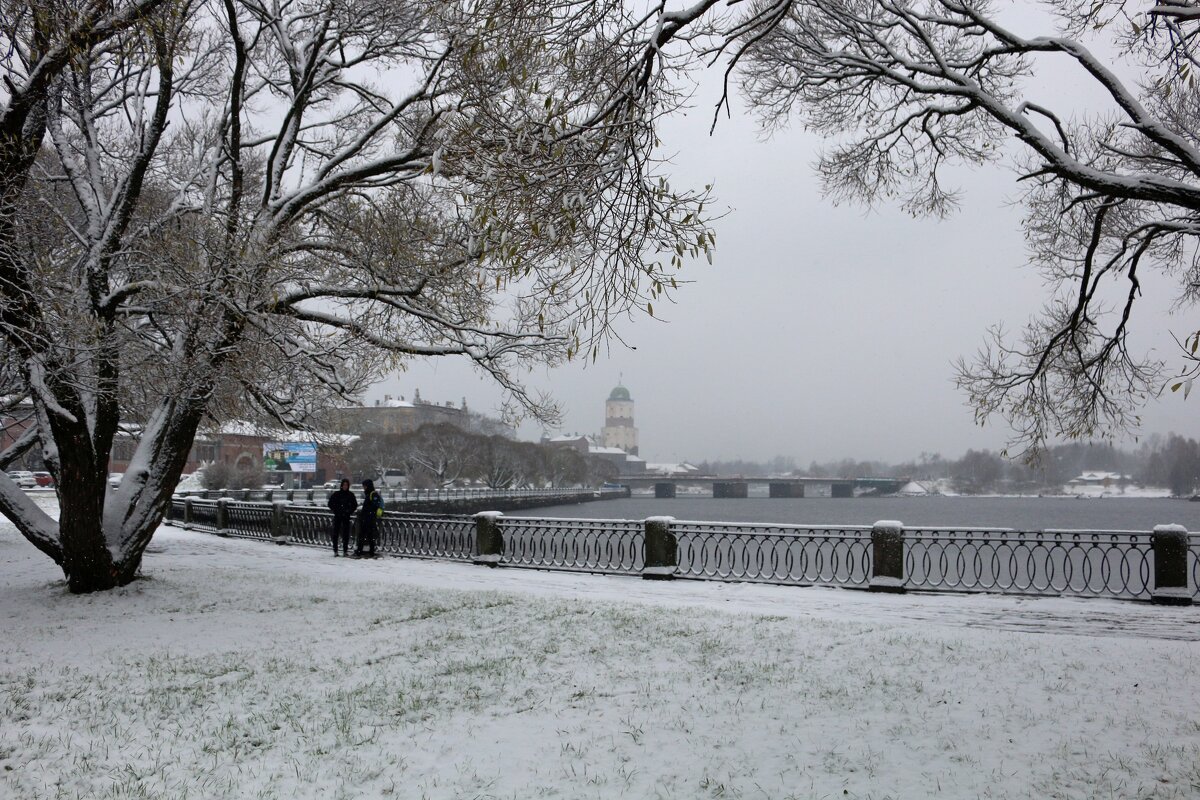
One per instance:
(1021,513)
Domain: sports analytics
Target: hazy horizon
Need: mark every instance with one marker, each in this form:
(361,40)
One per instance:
(820,332)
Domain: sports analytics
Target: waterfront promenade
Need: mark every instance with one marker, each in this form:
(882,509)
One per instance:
(1159,562)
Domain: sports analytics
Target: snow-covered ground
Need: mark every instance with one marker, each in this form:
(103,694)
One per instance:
(245,670)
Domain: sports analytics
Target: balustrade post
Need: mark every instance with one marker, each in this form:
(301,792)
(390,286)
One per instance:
(187,513)
(1172,579)
(489,542)
(279,531)
(887,557)
(661,555)
(222,515)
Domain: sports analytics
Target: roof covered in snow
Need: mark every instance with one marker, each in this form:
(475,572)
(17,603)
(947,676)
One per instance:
(243,428)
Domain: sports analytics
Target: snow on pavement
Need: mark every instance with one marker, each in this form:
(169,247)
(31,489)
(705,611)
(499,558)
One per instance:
(242,669)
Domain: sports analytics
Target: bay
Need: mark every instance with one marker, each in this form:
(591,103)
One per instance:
(1019,513)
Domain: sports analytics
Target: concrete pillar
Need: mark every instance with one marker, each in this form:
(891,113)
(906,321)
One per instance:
(664,491)
(787,489)
(187,512)
(279,532)
(841,489)
(661,557)
(489,543)
(731,489)
(887,557)
(1172,579)
(222,515)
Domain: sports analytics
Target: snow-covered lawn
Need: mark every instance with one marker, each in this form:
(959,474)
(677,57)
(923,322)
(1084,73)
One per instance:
(245,670)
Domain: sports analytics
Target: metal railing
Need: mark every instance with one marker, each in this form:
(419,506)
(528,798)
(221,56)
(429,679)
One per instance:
(1119,564)
(1054,562)
(784,554)
(426,536)
(589,545)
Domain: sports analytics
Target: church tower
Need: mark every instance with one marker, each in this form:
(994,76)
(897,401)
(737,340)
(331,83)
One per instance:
(618,422)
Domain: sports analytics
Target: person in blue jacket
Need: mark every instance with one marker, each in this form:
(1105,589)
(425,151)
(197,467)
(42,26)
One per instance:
(368,516)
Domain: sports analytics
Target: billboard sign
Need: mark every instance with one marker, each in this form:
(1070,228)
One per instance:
(290,456)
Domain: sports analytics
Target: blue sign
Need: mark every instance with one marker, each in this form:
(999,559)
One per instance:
(290,456)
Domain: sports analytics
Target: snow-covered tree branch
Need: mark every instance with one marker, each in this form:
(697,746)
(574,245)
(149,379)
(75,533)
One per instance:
(905,89)
(251,206)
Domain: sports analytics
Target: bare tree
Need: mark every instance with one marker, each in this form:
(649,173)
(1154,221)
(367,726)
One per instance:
(496,461)
(371,454)
(211,209)
(445,453)
(908,88)
(566,467)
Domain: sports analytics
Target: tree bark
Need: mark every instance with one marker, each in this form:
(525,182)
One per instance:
(87,561)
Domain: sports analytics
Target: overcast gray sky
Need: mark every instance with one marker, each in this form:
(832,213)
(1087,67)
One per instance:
(820,332)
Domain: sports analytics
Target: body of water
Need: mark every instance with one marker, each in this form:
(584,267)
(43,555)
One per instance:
(1021,513)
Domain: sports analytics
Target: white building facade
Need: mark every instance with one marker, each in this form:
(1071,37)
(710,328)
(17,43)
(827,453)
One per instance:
(619,431)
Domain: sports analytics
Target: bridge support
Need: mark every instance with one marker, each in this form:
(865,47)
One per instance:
(664,491)
(730,489)
(841,489)
(785,489)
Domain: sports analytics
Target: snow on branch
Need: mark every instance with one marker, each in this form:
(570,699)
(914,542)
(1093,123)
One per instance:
(904,90)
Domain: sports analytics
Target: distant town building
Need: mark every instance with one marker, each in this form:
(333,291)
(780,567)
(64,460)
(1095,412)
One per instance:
(619,431)
(1100,479)
(580,444)
(395,415)
(241,445)
(679,469)
(617,442)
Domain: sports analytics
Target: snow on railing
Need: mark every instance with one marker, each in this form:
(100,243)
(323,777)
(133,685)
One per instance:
(1162,565)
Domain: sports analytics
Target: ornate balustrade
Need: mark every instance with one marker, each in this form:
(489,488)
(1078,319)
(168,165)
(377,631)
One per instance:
(1161,565)
(785,554)
(589,545)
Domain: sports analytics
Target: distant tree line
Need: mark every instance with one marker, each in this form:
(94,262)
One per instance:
(1172,461)
(445,455)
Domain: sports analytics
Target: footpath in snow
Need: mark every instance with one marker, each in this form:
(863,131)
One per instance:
(237,668)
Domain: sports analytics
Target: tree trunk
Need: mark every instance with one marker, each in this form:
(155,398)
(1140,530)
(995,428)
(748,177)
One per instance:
(86,559)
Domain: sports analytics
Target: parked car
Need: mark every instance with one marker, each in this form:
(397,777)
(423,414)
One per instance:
(114,478)
(43,478)
(23,478)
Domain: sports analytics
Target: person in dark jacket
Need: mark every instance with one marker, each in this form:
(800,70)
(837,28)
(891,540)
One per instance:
(368,515)
(342,503)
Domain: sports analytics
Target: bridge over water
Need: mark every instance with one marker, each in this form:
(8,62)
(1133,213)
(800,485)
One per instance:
(734,487)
